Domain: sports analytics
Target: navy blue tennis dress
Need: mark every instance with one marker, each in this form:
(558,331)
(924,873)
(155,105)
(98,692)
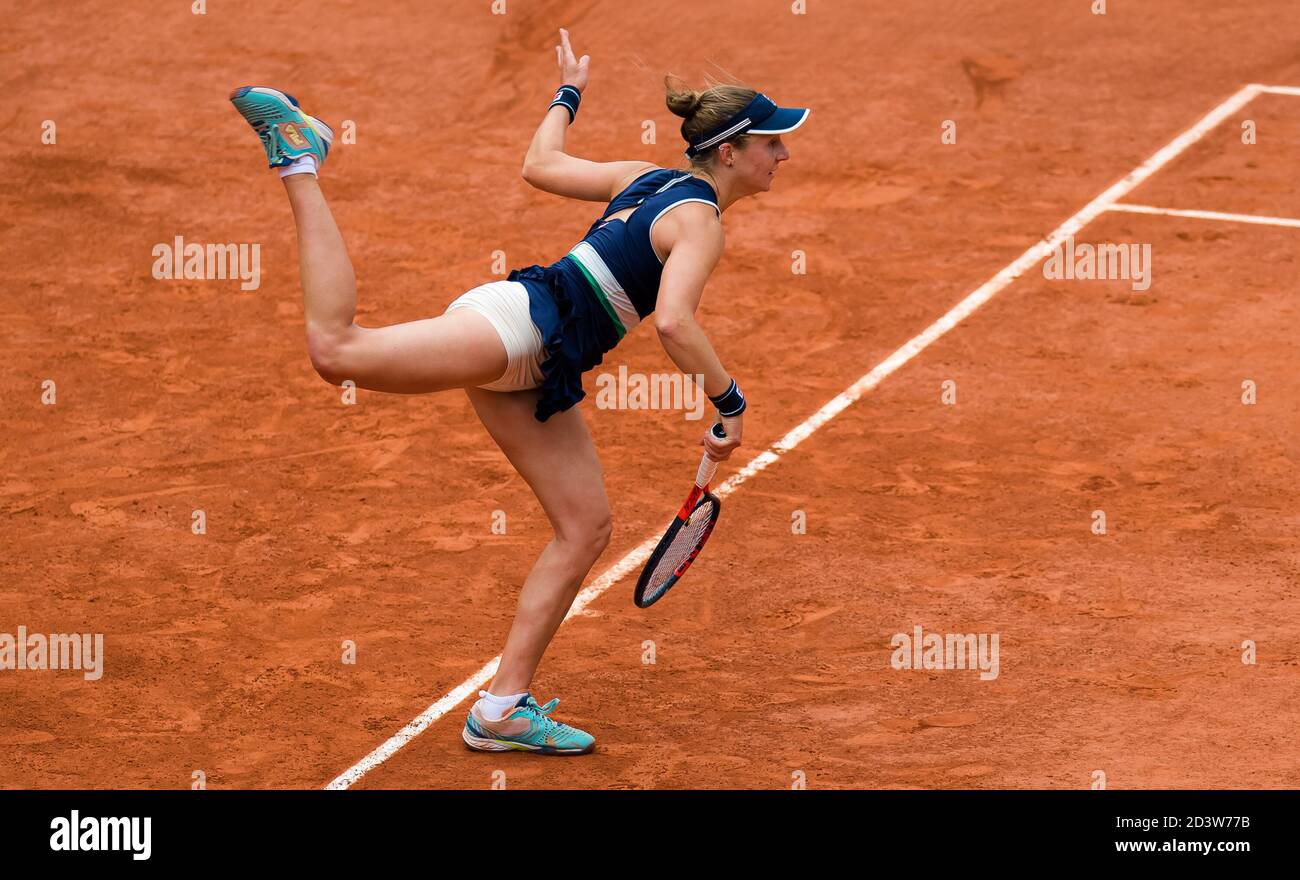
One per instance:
(587,301)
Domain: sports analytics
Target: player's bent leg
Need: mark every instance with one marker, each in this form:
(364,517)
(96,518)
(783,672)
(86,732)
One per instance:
(450,351)
(431,355)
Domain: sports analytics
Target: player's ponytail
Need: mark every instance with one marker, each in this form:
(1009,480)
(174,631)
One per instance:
(704,111)
(683,102)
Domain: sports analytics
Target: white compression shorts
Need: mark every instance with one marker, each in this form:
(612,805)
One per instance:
(505,305)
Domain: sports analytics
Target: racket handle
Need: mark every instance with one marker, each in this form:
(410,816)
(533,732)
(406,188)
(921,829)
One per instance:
(709,467)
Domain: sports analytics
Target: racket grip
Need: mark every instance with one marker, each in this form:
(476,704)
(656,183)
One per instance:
(709,467)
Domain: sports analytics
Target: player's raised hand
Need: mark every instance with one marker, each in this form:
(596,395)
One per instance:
(573,71)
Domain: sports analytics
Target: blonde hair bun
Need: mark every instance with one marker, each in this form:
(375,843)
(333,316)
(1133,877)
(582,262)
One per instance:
(683,102)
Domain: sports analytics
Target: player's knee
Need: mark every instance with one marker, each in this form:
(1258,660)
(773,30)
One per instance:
(589,537)
(327,350)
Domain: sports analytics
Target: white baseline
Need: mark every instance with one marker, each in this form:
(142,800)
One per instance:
(1255,219)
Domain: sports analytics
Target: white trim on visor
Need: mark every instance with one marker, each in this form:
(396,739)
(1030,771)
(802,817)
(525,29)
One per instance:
(802,117)
(719,138)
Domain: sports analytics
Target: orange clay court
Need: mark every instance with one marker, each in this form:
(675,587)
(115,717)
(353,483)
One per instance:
(1121,653)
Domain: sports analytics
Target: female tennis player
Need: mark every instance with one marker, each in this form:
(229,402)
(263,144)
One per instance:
(519,347)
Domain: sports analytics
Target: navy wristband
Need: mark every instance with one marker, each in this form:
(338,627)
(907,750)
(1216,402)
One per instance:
(569,98)
(730,402)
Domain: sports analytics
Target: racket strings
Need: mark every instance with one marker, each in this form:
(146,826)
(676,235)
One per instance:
(684,543)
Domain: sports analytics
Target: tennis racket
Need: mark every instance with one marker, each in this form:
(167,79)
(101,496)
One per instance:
(685,536)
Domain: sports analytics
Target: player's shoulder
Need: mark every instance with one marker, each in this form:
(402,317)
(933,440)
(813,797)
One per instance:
(696,215)
(631,172)
(695,222)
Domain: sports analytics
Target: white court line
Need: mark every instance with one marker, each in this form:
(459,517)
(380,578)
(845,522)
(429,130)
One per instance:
(1280,90)
(837,404)
(1208,215)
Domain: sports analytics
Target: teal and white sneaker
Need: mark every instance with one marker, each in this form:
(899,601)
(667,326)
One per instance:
(527,727)
(286,132)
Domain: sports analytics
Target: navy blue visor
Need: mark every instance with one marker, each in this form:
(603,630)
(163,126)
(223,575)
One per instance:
(760,116)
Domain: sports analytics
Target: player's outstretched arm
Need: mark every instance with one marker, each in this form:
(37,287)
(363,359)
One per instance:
(549,168)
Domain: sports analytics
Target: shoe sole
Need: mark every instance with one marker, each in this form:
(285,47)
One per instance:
(482,744)
(289,101)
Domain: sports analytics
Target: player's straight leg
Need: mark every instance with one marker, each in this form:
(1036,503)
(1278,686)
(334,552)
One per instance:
(559,462)
(455,350)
